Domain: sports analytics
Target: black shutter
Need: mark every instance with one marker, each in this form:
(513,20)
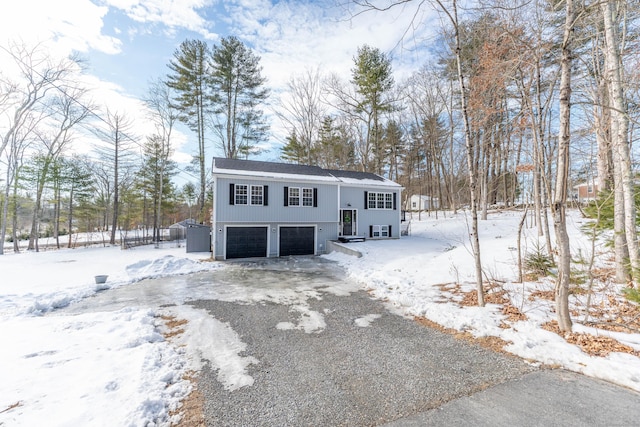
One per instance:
(265,195)
(286,196)
(315,197)
(389,231)
(395,205)
(370,229)
(232,194)
(366,200)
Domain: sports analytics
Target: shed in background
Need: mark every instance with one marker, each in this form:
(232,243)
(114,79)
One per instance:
(198,237)
(178,231)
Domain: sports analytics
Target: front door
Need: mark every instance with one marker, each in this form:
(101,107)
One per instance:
(348,220)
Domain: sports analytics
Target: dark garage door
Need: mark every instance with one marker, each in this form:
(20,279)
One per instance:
(246,242)
(297,241)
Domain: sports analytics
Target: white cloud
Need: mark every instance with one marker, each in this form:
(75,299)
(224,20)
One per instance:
(289,35)
(64,26)
(292,36)
(174,14)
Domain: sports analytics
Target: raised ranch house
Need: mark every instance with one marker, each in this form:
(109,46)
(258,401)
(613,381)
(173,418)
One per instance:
(264,209)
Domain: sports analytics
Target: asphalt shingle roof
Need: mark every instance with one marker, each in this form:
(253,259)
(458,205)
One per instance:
(288,168)
(258,166)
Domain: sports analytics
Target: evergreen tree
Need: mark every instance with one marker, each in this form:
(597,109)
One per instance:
(190,80)
(238,86)
(335,148)
(373,78)
(293,151)
(154,179)
(73,183)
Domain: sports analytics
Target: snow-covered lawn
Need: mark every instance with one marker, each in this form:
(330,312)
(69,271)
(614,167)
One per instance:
(104,368)
(419,275)
(117,368)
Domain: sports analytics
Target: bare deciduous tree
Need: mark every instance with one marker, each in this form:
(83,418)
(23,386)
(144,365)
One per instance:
(22,104)
(562,173)
(65,114)
(302,111)
(116,133)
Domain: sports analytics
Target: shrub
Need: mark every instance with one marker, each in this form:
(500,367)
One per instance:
(632,294)
(538,262)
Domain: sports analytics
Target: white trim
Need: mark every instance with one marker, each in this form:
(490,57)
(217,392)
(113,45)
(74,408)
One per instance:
(384,200)
(214,226)
(248,195)
(330,180)
(300,197)
(380,229)
(296,225)
(224,247)
(354,224)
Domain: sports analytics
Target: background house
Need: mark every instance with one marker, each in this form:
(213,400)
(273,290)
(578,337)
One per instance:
(586,191)
(423,203)
(264,209)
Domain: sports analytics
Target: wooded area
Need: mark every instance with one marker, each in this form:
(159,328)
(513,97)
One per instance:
(517,103)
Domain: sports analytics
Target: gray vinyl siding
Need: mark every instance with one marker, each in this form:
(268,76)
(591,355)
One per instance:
(324,217)
(367,217)
(331,197)
(275,211)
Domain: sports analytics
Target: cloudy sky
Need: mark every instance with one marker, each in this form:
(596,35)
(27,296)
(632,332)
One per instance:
(128,43)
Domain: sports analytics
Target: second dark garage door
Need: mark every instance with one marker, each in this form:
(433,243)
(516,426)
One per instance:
(246,242)
(297,241)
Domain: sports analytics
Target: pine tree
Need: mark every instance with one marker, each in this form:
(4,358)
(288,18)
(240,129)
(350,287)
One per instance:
(293,151)
(238,86)
(373,78)
(190,79)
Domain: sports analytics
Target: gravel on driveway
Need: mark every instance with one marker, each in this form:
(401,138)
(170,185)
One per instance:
(344,374)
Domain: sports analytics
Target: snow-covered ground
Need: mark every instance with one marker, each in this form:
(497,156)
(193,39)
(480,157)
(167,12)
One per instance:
(104,368)
(415,274)
(117,368)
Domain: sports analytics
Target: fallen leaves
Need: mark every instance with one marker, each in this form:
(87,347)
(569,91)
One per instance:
(191,410)
(490,342)
(546,295)
(593,345)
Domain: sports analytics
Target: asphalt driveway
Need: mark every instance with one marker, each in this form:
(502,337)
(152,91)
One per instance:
(367,366)
(345,374)
(327,354)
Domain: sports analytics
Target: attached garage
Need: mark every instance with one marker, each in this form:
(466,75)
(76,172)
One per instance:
(246,242)
(297,241)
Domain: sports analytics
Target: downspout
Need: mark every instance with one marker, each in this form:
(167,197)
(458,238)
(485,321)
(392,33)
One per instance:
(339,228)
(214,224)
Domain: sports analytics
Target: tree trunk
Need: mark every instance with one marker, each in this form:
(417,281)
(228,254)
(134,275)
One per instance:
(470,151)
(116,188)
(562,176)
(602,120)
(70,222)
(619,135)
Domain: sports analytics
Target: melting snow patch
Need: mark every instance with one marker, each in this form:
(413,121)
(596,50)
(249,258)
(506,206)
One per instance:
(217,343)
(167,265)
(367,320)
(310,321)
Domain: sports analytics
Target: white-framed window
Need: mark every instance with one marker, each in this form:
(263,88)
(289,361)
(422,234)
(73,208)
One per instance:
(380,200)
(294,196)
(257,195)
(242,191)
(300,196)
(249,194)
(307,197)
(380,231)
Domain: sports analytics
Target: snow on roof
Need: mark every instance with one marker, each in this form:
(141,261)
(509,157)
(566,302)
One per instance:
(296,172)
